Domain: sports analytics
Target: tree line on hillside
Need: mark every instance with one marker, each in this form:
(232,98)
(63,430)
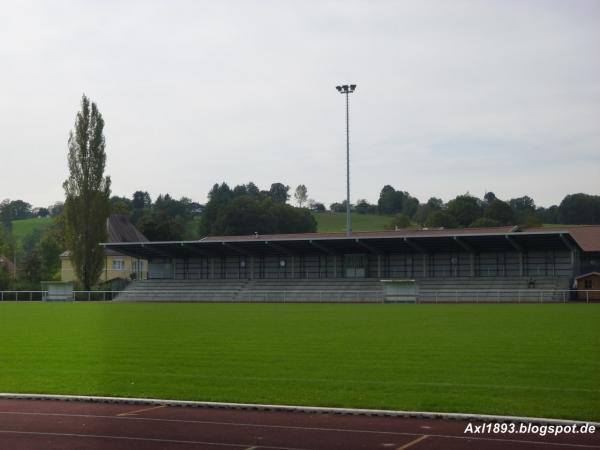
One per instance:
(246,210)
(470,211)
(37,255)
(18,209)
(243,209)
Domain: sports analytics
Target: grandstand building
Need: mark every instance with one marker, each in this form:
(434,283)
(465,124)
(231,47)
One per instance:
(503,257)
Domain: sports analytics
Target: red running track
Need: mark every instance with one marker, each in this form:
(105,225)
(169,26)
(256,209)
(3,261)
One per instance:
(65,425)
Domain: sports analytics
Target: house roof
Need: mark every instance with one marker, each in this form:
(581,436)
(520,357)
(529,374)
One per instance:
(586,236)
(120,229)
(585,275)
(107,252)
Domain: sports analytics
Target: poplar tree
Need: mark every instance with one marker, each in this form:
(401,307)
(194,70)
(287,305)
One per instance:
(87,190)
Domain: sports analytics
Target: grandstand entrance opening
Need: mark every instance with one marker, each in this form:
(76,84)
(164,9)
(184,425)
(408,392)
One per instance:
(355,265)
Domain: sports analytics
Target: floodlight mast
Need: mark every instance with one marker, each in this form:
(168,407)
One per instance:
(347,89)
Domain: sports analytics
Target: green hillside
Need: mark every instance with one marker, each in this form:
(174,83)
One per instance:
(23,227)
(330,222)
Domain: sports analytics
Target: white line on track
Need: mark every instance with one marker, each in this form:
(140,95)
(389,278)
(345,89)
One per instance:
(133,413)
(413,442)
(134,438)
(292,427)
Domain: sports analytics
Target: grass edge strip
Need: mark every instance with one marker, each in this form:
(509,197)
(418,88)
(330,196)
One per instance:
(292,408)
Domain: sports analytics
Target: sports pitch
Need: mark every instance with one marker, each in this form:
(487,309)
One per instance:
(532,360)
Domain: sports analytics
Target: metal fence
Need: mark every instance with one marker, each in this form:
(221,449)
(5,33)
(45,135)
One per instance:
(268,296)
(323,296)
(507,296)
(24,296)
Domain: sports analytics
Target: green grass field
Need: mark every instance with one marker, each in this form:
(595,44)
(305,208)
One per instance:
(534,360)
(328,222)
(23,227)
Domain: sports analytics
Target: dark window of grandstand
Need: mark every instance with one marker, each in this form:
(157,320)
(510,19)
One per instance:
(355,265)
(587,284)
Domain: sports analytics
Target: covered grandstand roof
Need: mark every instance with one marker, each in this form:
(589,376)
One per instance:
(586,236)
(404,240)
(404,232)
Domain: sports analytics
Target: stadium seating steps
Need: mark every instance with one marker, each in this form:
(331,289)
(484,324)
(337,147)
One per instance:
(344,290)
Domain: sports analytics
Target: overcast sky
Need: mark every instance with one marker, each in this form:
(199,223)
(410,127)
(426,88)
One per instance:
(453,96)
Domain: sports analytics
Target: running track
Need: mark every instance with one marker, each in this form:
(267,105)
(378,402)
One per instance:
(48,425)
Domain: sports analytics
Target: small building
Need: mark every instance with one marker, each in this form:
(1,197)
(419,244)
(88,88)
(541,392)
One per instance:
(57,291)
(588,282)
(116,265)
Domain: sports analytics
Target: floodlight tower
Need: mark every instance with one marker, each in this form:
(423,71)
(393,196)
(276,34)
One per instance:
(347,89)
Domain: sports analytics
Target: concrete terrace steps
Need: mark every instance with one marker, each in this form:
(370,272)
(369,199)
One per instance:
(344,290)
(181,290)
(253,290)
(314,290)
(494,289)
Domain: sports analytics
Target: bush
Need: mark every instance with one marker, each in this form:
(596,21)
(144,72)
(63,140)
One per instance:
(484,222)
(399,221)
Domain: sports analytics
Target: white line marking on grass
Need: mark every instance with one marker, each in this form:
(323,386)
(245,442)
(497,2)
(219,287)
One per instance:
(292,427)
(134,438)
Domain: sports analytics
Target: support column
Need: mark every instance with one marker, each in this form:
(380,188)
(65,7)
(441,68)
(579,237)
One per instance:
(521,257)
(379,266)
(472,262)
(521,253)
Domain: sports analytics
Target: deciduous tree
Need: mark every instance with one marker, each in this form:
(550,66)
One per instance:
(499,211)
(465,209)
(279,192)
(301,195)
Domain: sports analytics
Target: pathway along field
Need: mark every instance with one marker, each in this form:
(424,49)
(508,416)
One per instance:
(54,425)
(527,360)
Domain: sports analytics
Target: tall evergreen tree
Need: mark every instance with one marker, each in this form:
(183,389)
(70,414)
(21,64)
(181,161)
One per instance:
(87,190)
